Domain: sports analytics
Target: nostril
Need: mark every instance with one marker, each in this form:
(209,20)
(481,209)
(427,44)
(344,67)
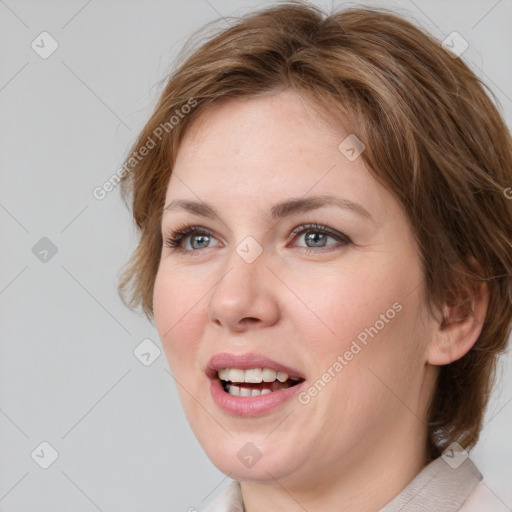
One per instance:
(249,320)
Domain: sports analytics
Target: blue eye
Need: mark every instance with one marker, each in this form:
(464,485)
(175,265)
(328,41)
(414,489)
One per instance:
(194,233)
(199,238)
(318,235)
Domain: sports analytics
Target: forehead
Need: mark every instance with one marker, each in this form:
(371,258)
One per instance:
(267,147)
(281,121)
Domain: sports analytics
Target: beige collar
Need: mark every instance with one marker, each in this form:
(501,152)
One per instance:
(437,488)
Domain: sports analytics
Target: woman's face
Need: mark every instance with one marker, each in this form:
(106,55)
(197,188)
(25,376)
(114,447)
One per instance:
(280,279)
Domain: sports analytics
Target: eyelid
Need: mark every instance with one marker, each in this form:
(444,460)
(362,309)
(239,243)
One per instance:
(313,226)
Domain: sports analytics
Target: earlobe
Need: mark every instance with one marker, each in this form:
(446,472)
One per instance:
(460,327)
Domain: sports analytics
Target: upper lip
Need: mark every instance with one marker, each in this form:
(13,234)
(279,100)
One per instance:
(246,362)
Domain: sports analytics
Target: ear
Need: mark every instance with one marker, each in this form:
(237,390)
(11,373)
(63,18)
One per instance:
(461,325)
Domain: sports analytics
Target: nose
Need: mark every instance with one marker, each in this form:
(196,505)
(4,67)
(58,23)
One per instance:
(245,297)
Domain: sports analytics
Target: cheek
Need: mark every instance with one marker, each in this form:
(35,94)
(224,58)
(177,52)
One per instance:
(368,316)
(382,355)
(342,304)
(175,306)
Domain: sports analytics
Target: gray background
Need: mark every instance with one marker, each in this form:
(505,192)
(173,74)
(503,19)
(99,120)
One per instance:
(68,375)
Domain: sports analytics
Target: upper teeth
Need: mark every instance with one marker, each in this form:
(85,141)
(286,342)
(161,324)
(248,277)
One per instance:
(253,375)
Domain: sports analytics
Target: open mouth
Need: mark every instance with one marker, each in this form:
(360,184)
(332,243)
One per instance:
(255,381)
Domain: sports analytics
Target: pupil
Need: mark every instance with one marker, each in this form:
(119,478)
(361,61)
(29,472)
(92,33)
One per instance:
(199,237)
(314,237)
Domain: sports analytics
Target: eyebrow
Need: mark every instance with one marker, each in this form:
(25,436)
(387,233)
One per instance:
(278,211)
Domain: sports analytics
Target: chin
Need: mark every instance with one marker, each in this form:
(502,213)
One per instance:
(249,457)
(251,463)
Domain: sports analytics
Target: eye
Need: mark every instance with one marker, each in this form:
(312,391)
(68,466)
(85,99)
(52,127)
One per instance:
(198,238)
(190,239)
(316,236)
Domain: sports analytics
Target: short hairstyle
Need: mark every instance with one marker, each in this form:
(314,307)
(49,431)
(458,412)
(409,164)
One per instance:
(433,138)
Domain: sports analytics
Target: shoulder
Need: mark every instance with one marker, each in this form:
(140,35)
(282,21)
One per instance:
(482,499)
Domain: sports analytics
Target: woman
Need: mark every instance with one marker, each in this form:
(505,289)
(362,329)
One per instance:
(325,250)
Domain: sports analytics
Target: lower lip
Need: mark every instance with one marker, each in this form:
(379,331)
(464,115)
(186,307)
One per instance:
(251,405)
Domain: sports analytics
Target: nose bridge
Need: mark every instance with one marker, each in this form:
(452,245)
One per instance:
(245,290)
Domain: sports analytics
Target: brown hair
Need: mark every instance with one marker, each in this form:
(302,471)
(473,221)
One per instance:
(433,138)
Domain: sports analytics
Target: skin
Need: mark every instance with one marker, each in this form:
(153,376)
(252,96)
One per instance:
(358,442)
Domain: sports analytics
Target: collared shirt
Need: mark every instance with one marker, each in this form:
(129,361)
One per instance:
(437,488)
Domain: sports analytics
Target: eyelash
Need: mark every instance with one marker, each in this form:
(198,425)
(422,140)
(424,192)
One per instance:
(175,238)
